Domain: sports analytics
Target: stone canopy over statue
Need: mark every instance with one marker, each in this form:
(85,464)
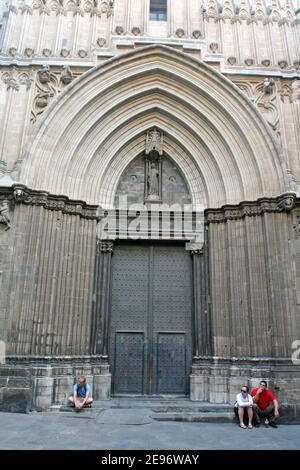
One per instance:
(153,155)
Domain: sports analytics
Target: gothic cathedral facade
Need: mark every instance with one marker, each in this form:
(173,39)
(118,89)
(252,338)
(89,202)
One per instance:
(149,199)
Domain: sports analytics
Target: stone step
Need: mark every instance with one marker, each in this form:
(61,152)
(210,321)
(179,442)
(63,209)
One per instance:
(204,417)
(160,407)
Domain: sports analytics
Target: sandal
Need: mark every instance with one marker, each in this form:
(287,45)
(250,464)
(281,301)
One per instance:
(243,426)
(250,426)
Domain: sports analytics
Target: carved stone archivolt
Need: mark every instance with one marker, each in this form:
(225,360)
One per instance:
(47,85)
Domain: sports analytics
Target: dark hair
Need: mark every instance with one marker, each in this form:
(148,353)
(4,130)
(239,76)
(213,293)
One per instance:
(246,387)
(263,382)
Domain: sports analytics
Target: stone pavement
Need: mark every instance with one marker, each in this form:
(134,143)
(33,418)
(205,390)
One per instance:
(117,425)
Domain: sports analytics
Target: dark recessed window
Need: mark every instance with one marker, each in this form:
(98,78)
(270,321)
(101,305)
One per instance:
(158,10)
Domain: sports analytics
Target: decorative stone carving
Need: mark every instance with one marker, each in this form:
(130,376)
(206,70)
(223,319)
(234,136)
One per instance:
(19,195)
(153,153)
(12,51)
(64,52)
(292,182)
(197,252)
(286,202)
(11,79)
(44,74)
(67,75)
(283,20)
(25,79)
(13,9)
(106,246)
(196,33)
(119,30)
(265,101)
(48,85)
(295,91)
(153,181)
(154,141)
(266,62)
(179,32)
(285,91)
(78,11)
(249,62)
(238,11)
(4,213)
(296,64)
(268,85)
(82,53)
(296,225)
(106,7)
(42,99)
(28,52)
(214,46)
(231,60)
(47,52)
(26,9)
(101,42)
(282,63)
(136,31)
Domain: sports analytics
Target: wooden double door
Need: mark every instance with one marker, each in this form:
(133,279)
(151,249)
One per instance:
(150,346)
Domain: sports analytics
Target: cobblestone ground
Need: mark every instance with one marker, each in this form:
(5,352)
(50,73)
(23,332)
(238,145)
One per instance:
(133,430)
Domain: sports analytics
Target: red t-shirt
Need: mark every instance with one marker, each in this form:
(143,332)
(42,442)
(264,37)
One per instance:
(265,397)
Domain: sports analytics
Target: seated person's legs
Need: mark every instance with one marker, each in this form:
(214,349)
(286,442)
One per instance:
(71,401)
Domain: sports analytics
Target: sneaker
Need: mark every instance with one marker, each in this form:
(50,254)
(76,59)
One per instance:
(273,424)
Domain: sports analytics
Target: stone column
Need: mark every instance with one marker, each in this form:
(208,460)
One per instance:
(102,293)
(201,315)
(201,323)
(99,337)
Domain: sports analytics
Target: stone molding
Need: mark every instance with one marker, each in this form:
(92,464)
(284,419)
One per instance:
(31,359)
(283,203)
(262,361)
(81,7)
(250,14)
(20,194)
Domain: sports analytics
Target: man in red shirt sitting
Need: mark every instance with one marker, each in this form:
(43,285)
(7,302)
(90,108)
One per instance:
(265,404)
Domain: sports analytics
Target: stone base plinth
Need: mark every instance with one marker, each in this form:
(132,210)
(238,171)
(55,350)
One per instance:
(218,380)
(37,386)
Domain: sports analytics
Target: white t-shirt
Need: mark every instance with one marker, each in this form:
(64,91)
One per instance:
(243,400)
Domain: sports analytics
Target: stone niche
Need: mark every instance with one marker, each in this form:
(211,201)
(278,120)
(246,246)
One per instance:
(173,184)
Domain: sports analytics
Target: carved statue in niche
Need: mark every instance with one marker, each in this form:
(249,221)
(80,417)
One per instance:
(153,170)
(153,182)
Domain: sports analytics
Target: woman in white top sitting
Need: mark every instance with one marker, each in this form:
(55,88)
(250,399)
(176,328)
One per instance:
(243,405)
